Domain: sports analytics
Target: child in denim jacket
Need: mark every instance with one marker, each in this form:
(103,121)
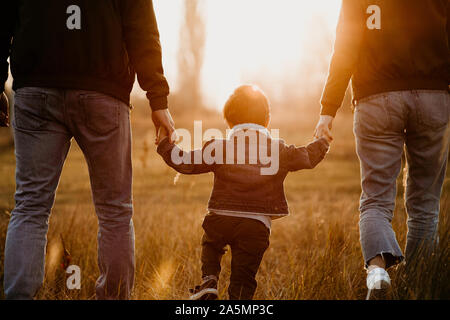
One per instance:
(248,191)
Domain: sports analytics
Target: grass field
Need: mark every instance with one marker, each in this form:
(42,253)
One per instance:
(314,253)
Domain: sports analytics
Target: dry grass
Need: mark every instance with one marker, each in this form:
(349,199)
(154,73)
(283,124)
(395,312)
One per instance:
(314,253)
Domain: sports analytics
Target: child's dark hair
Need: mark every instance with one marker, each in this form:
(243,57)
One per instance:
(248,104)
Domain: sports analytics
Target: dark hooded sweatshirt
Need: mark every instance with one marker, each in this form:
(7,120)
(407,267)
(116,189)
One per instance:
(99,45)
(389,45)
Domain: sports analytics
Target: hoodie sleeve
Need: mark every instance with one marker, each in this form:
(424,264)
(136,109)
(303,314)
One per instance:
(8,17)
(448,23)
(349,36)
(141,37)
(186,162)
(298,158)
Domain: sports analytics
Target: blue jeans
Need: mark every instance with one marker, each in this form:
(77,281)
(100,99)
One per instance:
(385,125)
(45,121)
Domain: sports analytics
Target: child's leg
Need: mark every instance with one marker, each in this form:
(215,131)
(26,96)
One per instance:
(213,248)
(250,242)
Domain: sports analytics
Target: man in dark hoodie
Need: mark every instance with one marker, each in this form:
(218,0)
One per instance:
(74,64)
(396,53)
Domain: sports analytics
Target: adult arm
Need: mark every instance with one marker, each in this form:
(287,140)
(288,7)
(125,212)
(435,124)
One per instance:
(8,16)
(349,36)
(448,22)
(141,38)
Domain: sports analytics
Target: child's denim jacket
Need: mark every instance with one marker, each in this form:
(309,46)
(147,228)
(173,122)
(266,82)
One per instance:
(244,181)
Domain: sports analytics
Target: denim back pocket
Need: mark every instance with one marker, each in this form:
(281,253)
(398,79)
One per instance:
(29,109)
(432,108)
(101,112)
(371,115)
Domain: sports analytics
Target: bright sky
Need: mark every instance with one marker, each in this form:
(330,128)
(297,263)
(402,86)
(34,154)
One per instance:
(246,39)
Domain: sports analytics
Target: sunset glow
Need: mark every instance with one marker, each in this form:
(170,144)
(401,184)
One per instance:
(247,39)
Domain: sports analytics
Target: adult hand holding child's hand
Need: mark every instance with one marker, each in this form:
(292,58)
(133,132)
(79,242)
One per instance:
(4,110)
(323,128)
(162,134)
(164,125)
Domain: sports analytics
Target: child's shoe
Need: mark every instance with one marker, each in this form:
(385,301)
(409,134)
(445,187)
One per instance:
(207,290)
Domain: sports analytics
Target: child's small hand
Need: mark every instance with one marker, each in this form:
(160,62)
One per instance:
(328,138)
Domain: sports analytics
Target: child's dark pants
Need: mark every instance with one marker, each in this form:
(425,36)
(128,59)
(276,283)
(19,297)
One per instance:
(248,240)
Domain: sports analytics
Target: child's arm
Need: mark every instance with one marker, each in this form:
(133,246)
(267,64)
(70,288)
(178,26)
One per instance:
(184,162)
(298,158)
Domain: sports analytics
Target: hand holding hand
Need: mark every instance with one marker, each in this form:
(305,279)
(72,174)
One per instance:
(323,128)
(162,134)
(164,125)
(4,110)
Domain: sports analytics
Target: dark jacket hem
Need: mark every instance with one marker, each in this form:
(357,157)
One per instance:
(80,83)
(368,89)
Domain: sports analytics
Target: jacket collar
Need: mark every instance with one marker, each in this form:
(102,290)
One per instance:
(248,126)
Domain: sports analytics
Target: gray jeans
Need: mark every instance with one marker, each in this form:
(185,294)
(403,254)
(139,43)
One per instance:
(45,121)
(385,125)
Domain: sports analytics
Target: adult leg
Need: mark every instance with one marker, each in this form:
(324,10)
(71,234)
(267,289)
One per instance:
(379,132)
(251,240)
(41,146)
(427,145)
(101,126)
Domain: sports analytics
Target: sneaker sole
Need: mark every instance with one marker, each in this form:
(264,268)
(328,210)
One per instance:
(380,285)
(380,290)
(206,294)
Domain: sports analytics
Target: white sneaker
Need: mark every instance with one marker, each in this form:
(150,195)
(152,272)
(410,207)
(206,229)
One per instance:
(378,279)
